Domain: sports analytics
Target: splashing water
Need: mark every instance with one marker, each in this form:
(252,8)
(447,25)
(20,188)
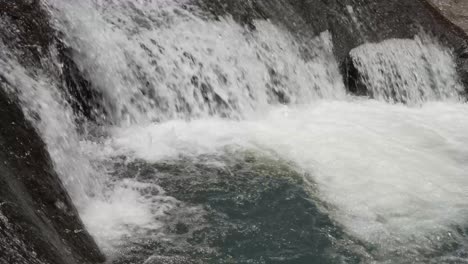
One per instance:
(409,71)
(179,85)
(43,106)
(393,174)
(170,63)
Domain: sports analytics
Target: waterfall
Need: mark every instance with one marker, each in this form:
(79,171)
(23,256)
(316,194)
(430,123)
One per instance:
(155,60)
(409,71)
(196,110)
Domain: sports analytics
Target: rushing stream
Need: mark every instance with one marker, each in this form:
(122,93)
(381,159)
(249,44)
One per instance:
(218,142)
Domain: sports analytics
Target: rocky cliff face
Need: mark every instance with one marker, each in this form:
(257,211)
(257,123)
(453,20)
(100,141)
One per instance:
(38,221)
(455,10)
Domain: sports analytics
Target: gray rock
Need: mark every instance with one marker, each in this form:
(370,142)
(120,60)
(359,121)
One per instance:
(352,22)
(38,221)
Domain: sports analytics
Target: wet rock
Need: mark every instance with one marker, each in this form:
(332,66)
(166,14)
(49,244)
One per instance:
(356,22)
(403,70)
(462,63)
(87,102)
(31,38)
(353,79)
(245,12)
(25,29)
(455,10)
(38,221)
(36,214)
(352,22)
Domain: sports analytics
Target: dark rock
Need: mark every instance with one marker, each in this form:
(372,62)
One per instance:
(25,29)
(29,36)
(87,103)
(352,22)
(378,20)
(462,63)
(353,80)
(38,222)
(455,10)
(242,11)
(401,70)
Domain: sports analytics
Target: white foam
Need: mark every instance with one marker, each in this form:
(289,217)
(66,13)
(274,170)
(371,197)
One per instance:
(392,173)
(44,106)
(154,60)
(408,70)
(111,212)
(130,209)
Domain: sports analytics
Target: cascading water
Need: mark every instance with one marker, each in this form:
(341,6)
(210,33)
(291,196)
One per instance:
(45,107)
(410,71)
(181,65)
(217,125)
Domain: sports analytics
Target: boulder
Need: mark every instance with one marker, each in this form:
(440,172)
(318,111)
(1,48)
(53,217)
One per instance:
(353,23)
(410,71)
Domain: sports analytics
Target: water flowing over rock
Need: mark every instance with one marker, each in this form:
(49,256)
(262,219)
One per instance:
(232,131)
(354,22)
(404,70)
(38,221)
